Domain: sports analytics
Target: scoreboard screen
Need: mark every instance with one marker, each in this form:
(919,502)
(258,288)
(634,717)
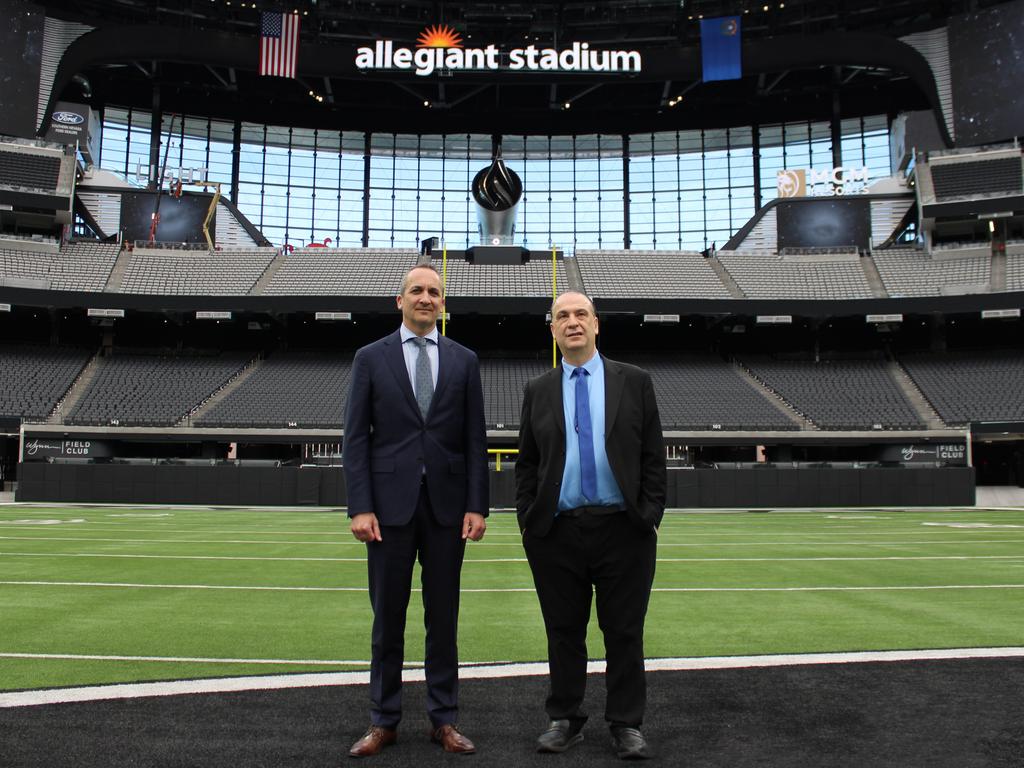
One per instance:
(181,218)
(832,222)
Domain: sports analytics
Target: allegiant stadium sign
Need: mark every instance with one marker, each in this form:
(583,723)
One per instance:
(440,48)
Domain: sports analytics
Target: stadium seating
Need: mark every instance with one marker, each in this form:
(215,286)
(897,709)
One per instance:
(504,382)
(297,388)
(775,277)
(705,392)
(649,274)
(838,394)
(530,279)
(341,272)
(911,273)
(30,171)
(33,379)
(205,273)
(971,386)
(78,266)
(981,177)
(134,389)
(1014,271)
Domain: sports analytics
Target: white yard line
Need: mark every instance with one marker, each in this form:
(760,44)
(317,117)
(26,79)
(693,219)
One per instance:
(661,544)
(472,560)
(486,590)
(471,672)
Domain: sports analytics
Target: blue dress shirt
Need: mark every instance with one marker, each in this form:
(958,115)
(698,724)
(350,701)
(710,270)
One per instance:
(571,495)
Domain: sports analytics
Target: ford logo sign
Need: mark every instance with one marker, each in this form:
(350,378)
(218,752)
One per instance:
(68,118)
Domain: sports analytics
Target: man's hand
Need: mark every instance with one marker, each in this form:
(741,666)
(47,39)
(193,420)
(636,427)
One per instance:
(473,526)
(365,527)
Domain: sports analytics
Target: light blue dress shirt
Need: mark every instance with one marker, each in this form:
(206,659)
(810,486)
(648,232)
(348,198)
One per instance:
(412,352)
(571,495)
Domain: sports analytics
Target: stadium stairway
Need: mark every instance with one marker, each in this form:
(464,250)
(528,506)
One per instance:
(117,273)
(221,393)
(914,396)
(776,401)
(78,387)
(727,280)
(874,278)
(573,276)
(997,272)
(268,274)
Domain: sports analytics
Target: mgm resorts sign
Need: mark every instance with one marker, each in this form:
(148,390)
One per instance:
(807,182)
(439,48)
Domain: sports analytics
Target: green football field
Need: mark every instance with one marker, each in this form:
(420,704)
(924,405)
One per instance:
(109,594)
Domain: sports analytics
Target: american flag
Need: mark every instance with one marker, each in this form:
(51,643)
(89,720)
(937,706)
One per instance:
(279,44)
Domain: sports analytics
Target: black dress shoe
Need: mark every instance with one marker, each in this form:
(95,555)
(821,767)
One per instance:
(629,743)
(560,735)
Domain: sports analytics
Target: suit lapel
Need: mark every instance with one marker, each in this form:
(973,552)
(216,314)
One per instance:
(445,360)
(396,362)
(614,383)
(553,395)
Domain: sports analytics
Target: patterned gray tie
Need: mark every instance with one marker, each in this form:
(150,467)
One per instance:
(424,378)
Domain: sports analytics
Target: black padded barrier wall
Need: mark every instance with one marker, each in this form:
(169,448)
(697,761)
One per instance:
(325,486)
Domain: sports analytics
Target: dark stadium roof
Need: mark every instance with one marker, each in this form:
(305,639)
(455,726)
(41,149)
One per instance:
(203,53)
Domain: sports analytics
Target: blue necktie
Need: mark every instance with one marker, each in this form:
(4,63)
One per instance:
(585,433)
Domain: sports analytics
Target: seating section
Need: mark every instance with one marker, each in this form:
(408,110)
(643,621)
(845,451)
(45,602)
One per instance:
(206,273)
(649,274)
(971,386)
(33,379)
(300,388)
(1000,176)
(838,394)
(1015,272)
(773,277)
(30,171)
(917,274)
(341,272)
(80,266)
(530,279)
(132,389)
(705,392)
(504,382)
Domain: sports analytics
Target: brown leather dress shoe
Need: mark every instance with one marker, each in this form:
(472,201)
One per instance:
(373,741)
(448,736)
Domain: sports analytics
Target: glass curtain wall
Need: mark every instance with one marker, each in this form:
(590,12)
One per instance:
(688,190)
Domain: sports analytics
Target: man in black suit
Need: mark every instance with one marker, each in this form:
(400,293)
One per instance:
(590,495)
(415,455)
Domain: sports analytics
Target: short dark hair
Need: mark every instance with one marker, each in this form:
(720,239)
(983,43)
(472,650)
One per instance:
(405,277)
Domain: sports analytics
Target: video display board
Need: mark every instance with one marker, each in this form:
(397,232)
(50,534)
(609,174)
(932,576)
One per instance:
(825,223)
(181,218)
(986,51)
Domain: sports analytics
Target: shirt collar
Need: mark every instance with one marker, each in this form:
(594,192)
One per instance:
(407,334)
(590,366)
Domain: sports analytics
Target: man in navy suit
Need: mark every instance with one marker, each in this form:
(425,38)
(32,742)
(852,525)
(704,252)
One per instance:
(415,456)
(590,494)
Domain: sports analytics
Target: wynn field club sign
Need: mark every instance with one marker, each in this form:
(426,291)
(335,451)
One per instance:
(440,48)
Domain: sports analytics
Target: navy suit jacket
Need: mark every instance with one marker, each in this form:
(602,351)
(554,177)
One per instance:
(387,442)
(632,440)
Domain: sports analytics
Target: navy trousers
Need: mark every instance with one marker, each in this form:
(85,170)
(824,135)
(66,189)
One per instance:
(390,562)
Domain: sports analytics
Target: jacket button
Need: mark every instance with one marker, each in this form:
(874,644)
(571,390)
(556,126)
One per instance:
(557,483)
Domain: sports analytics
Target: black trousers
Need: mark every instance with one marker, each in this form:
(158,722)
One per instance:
(390,562)
(610,556)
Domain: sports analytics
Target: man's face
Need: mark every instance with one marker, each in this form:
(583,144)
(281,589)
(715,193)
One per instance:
(574,326)
(421,301)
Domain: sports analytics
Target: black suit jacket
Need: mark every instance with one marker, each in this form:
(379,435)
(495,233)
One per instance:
(633,442)
(388,444)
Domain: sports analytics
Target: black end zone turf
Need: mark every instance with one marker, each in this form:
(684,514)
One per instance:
(902,714)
